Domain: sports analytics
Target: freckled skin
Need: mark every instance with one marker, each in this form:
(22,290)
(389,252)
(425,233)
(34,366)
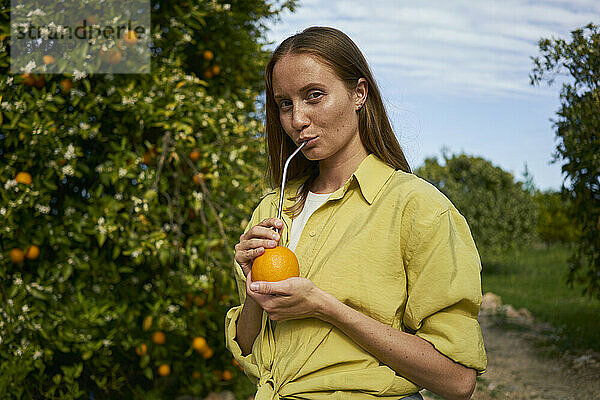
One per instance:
(326,109)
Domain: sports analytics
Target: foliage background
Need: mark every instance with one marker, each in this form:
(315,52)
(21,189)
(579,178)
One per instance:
(500,211)
(135,234)
(577,126)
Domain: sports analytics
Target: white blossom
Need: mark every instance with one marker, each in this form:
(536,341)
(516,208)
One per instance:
(77,75)
(37,11)
(122,172)
(197,196)
(68,170)
(70,153)
(172,308)
(42,209)
(29,67)
(10,183)
(128,100)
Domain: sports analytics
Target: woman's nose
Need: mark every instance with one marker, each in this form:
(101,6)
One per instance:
(299,117)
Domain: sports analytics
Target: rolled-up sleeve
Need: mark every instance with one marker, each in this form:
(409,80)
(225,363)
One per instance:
(247,362)
(444,288)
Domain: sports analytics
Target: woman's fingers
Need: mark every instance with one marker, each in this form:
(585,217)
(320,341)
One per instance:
(255,240)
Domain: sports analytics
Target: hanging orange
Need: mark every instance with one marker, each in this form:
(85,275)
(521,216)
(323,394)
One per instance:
(275,265)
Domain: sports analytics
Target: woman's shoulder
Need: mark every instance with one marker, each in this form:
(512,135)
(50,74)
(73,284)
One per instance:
(416,193)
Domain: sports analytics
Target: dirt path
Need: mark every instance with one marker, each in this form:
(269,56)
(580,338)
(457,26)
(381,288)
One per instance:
(520,369)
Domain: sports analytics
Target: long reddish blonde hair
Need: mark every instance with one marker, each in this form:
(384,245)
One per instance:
(336,50)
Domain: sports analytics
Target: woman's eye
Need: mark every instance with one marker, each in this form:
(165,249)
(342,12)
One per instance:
(283,104)
(317,93)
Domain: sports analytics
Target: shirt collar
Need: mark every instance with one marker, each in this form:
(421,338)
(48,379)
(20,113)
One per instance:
(371,174)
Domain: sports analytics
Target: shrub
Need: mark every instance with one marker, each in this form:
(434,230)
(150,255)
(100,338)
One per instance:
(500,213)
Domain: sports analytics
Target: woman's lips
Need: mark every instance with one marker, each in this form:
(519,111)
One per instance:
(311,142)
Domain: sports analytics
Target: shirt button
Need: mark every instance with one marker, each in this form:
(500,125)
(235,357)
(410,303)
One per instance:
(312,233)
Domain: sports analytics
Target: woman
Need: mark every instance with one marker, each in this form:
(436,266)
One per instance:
(389,288)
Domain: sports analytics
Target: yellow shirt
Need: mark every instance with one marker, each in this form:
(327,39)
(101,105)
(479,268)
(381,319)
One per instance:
(390,245)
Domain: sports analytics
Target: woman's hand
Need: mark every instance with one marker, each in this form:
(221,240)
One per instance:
(293,298)
(253,243)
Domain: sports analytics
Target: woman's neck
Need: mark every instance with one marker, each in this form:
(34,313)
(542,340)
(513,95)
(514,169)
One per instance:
(332,177)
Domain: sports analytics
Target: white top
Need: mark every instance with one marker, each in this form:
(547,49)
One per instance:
(313,201)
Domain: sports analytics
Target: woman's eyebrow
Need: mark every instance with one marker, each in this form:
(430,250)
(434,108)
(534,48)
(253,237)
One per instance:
(303,88)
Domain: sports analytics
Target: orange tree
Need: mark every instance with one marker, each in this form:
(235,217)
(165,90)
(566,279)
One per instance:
(121,198)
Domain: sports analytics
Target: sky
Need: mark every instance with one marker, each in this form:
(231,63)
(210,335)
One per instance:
(455,74)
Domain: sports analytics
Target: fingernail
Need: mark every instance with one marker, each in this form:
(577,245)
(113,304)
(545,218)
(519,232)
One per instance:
(254,286)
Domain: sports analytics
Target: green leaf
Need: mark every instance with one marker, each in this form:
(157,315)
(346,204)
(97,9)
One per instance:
(101,238)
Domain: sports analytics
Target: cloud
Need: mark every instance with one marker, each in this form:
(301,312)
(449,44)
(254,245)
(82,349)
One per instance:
(463,47)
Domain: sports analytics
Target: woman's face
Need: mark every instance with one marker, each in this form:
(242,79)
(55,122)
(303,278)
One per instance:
(313,102)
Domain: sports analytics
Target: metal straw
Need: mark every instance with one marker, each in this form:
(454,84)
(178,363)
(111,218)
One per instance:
(285,167)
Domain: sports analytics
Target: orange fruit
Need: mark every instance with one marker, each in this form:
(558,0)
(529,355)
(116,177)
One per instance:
(208,352)
(200,344)
(40,82)
(196,375)
(150,154)
(28,79)
(275,265)
(208,55)
(216,70)
(199,301)
(195,155)
(164,370)
(17,255)
(130,38)
(198,178)
(141,350)
(114,56)
(48,59)
(66,85)
(227,375)
(208,73)
(23,177)
(32,252)
(159,337)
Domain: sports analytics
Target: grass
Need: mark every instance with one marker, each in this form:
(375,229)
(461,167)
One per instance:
(536,279)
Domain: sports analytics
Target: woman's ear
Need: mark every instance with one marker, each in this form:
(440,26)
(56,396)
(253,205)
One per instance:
(360,93)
